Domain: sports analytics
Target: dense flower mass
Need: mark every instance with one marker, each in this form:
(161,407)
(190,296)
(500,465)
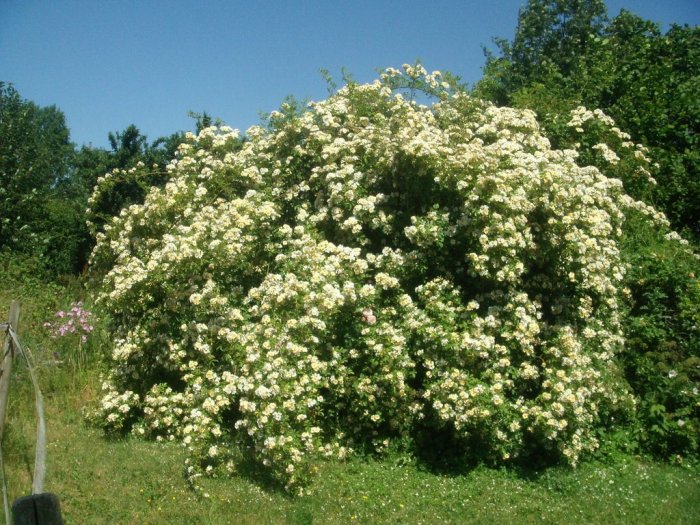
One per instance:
(372,266)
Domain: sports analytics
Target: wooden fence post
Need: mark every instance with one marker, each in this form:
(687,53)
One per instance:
(8,353)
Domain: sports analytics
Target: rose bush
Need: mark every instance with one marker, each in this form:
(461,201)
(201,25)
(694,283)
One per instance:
(348,275)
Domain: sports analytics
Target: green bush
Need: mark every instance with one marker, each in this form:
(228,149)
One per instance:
(662,355)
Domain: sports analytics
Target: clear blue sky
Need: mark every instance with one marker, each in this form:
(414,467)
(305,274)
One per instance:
(107,64)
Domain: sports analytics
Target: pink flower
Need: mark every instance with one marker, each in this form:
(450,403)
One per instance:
(75,321)
(368,316)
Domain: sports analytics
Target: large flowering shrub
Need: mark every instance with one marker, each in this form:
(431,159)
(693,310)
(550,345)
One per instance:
(371,266)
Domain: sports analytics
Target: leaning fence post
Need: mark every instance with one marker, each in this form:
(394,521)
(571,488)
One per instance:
(8,353)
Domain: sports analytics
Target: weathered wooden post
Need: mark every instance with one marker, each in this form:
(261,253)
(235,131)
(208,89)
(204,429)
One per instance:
(8,353)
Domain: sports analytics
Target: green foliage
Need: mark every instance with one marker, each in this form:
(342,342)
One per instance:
(61,355)
(550,39)
(203,120)
(35,156)
(85,468)
(45,183)
(662,360)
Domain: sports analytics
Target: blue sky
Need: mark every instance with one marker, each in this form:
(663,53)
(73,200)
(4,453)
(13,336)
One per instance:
(108,64)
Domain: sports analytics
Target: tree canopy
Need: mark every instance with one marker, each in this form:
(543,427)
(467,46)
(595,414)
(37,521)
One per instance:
(35,159)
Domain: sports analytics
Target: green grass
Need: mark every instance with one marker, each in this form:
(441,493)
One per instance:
(129,481)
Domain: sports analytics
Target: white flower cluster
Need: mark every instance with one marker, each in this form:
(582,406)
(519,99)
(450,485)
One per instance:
(367,268)
(612,144)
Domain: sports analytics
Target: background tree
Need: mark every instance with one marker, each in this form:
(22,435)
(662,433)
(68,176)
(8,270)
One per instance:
(549,40)
(203,120)
(35,158)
